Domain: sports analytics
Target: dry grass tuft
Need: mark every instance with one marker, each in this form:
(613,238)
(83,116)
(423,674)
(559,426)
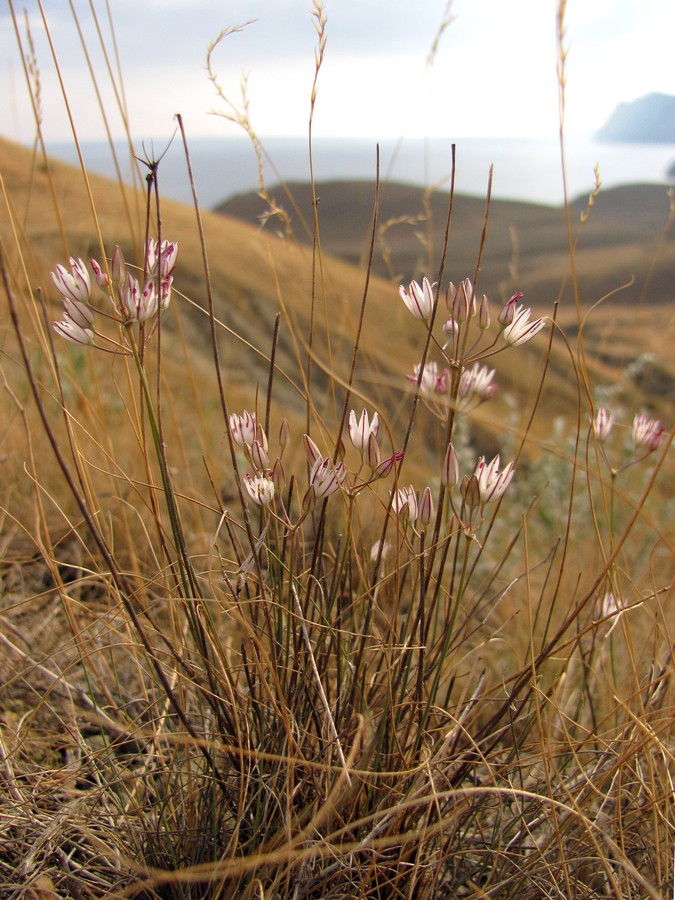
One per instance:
(254,644)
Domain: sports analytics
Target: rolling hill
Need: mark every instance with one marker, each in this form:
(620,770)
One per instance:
(256,275)
(526,246)
(625,249)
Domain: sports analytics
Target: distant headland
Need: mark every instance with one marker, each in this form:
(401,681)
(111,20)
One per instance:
(647,120)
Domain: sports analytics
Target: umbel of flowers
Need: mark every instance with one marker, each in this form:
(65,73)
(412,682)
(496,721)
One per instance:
(461,382)
(485,484)
(465,343)
(326,475)
(133,300)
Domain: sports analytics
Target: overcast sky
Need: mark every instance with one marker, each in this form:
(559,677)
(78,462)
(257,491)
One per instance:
(494,73)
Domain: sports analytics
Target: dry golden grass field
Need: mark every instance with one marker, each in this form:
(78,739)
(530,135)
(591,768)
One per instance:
(336,691)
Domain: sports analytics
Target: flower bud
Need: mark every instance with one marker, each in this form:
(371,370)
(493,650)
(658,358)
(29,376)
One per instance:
(372,454)
(278,474)
(450,326)
(258,455)
(450,472)
(118,269)
(165,292)
(387,464)
(129,296)
(311,450)
(450,294)
(284,435)
(100,276)
(309,500)
(149,305)
(484,314)
(375,551)
(463,302)
(508,311)
(470,491)
(426,509)
(261,436)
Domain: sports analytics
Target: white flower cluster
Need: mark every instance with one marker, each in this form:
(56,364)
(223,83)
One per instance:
(475,381)
(131,301)
(326,475)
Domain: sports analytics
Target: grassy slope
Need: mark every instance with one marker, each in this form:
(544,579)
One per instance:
(250,272)
(624,249)
(526,242)
(254,274)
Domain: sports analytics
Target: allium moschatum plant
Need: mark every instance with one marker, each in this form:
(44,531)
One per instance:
(281,621)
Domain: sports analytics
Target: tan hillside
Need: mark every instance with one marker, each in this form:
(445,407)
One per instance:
(256,274)
(625,248)
(208,697)
(526,243)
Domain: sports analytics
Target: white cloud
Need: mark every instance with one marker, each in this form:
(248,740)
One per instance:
(494,73)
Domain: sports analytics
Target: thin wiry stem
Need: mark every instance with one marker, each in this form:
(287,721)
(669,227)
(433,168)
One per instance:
(125,590)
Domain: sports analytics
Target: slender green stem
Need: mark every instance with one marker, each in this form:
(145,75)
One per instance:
(188,578)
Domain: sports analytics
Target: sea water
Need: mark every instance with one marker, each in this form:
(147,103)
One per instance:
(528,170)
